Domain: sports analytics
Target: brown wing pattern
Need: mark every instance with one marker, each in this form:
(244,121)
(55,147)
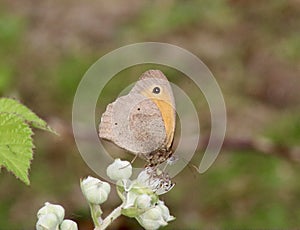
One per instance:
(134,123)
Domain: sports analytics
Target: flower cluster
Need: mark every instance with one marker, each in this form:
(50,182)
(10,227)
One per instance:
(140,199)
(140,196)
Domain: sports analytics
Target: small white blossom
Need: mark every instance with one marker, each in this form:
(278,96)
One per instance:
(156,180)
(55,209)
(152,219)
(143,201)
(119,170)
(155,217)
(95,190)
(165,211)
(68,225)
(129,192)
(47,222)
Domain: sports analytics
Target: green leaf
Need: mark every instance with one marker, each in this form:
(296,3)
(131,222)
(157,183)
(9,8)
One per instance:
(132,212)
(12,106)
(16,147)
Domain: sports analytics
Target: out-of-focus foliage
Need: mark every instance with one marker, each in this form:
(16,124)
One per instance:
(252,48)
(11,28)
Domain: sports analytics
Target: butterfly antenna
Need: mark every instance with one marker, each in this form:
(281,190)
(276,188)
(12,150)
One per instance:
(191,167)
(131,162)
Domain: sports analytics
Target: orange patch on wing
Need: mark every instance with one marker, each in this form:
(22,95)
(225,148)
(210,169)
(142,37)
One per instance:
(168,115)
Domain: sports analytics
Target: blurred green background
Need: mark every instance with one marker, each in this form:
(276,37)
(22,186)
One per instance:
(253,50)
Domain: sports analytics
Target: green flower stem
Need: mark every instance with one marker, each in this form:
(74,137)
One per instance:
(96,213)
(110,218)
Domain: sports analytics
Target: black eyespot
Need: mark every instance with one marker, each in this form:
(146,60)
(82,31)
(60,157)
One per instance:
(116,123)
(156,90)
(139,109)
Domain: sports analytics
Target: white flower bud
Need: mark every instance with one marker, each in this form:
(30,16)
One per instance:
(165,211)
(155,217)
(55,209)
(134,190)
(95,190)
(152,219)
(47,221)
(143,201)
(119,170)
(68,225)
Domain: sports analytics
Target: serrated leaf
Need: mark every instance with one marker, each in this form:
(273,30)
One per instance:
(8,105)
(16,146)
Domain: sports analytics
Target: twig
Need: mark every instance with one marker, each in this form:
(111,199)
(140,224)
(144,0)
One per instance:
(260,145)
(110,218)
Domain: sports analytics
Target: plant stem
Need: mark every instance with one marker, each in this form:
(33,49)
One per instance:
(110,218)
(96,213)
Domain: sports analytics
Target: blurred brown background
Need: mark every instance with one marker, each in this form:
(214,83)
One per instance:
(253,50)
